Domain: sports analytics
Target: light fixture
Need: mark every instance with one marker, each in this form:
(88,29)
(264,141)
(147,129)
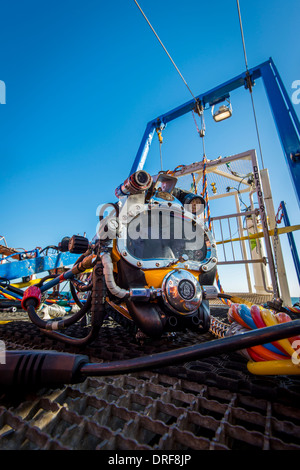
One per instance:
(224,112)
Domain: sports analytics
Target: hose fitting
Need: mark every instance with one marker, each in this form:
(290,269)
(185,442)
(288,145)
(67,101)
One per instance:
(32,293)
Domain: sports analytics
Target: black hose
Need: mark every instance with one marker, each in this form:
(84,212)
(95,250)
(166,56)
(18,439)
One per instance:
(60,323)
(6,281)
(13,289)
(72,288)
(10,303)
(49,276)
(53,247)
(225,296)
(96,302)
(199,351)
(35,369)
(81,286)
(93,333)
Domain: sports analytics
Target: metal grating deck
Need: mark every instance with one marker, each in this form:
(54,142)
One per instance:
(210,404)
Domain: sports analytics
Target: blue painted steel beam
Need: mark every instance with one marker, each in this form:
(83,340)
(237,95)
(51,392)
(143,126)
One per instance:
(286,120)
(291,239)
(210,97)
(40,264)
(284,115)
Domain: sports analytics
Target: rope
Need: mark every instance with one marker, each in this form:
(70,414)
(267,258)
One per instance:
(217,327)
(184,81)
(205,192)
(194,184)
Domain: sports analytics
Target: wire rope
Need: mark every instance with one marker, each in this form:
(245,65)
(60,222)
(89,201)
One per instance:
(250,86)
(159,40)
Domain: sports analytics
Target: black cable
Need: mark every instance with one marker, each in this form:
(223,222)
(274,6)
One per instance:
(6,281)
(81,286)
(46,278)
(224,296)
(199,351)
(72,288)
(44,325)
(13,289)
(34,369)
(53,247)
(96,303)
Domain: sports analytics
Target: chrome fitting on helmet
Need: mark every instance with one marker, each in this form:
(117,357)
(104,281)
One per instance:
(181,292)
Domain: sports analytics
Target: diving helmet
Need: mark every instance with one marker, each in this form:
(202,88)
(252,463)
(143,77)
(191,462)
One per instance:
(162,251)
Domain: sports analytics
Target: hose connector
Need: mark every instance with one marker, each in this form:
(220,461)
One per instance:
(32,293)
(87,263)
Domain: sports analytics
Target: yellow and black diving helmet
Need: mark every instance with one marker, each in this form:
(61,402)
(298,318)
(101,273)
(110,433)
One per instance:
(160,262)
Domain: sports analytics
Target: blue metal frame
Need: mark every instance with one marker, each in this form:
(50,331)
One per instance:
(39,264)
(288,129)
(286,120)
(291,240)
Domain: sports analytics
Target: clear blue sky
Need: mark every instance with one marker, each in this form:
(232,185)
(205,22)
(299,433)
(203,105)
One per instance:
(84,77)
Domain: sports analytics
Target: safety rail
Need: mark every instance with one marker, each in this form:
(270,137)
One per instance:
(223,241)
(240,252)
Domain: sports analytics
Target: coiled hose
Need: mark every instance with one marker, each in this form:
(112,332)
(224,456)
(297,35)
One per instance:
(95,302)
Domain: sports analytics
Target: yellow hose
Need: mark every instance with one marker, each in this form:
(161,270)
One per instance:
(282,367)
(270,320)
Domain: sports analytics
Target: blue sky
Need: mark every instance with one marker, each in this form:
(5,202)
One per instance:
(84,78)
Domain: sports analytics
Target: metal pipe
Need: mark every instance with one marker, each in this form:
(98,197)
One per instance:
(264,222)
(263,272)
(278,255)
(242,242)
